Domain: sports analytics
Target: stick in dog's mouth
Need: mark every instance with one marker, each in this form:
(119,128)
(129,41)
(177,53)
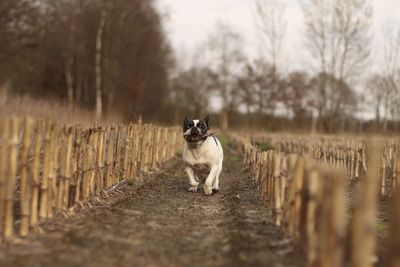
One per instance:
(193,138)
(196,138)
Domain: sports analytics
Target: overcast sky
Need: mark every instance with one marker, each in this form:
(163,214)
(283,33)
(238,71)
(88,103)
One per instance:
(189,22)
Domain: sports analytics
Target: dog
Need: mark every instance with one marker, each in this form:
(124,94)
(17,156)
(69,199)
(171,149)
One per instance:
(202,148)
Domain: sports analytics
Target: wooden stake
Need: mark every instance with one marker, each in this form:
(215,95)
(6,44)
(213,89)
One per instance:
(332,218)
(52,174)
(164,144)
(100,162)
(127,152)
(25,192)
(393,256)
(10,180)
(288,212)
(363,226)
(146,154)
(86,149)
(298,188)
(36,174)
(65,179)
(93,160)
(109,159)
(154,148)
(312,186)
(142,145)
(117,155)
(277,189)
(44,186)
(383,176)
(133,157)
(76,167)
(4,169)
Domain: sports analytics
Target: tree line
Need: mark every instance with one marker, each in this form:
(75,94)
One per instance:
(108,56)
(334,91)
(114,57)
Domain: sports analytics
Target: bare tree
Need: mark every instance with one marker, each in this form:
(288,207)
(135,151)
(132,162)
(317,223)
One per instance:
(338,39)
(383,86)
(298,96)
(337,35)
(225,57)
(272,27)
(391,71)
(191,90)
(391,51)
(266,88)
(99,45)
(375,87)
(259,88)
(246,89)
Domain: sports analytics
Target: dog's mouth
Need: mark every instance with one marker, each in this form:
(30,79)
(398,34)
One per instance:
(193,138)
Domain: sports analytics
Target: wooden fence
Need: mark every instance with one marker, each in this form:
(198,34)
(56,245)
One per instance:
(347,152)
(46,168)
(308,201)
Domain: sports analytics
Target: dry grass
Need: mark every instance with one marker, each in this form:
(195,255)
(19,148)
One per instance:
(12,105)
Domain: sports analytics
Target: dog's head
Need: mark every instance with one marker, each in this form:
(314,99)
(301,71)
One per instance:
(195,130)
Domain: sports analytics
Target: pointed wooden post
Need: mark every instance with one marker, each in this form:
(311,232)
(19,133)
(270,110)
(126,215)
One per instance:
(127,151)
(45,173)
(36,173)
(392,255)
(65,177)
(52,173)
(363,234)
(109,159)
(25,189)
(100,162)
(76,167)
(10,180)
(4,169)
(117,155)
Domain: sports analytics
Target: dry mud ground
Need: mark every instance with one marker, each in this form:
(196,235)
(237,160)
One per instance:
(162,224)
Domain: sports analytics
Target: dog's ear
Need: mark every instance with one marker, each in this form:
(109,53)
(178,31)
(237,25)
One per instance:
(185,122)
(206,120)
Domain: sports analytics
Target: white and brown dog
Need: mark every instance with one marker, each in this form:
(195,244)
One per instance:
(202,148)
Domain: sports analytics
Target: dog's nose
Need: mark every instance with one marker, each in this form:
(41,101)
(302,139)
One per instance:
(194,131)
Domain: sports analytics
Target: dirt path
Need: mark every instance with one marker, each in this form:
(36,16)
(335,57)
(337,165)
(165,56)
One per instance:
(161,224)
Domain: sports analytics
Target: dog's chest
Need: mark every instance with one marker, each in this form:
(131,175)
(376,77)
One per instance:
(195,157)
(198,156)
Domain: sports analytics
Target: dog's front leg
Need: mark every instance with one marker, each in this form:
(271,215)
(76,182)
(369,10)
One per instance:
(209,180)
(192,181)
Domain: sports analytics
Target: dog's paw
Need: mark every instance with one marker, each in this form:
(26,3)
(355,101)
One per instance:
(193,189)
(215,190)
(207,190)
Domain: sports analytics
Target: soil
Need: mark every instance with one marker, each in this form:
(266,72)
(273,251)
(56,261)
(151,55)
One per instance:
(160,223)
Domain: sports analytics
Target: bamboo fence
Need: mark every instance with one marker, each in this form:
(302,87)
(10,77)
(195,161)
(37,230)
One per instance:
(46,168)
(308,201)
(347,152)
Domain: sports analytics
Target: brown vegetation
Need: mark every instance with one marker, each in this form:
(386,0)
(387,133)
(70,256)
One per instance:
(22,106)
